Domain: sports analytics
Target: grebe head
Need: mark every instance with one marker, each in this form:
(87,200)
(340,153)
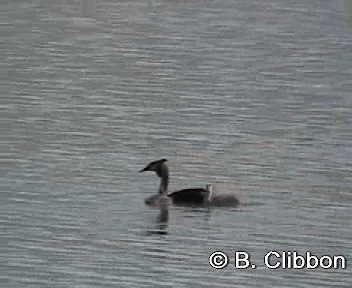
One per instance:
(162,171)
(159,167)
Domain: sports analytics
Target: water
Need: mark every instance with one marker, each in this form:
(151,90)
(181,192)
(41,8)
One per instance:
(252,96)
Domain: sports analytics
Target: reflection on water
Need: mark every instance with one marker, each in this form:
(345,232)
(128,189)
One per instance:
(163,217)
(251,96)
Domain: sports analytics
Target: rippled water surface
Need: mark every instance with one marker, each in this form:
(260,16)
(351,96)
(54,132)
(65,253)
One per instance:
(252,96)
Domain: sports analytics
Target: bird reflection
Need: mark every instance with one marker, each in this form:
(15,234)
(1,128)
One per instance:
(163,217)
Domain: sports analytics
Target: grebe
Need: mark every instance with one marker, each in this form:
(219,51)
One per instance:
(190,196)
(198,196)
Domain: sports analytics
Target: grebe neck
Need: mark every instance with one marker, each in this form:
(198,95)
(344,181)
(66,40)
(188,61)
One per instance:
(164,182)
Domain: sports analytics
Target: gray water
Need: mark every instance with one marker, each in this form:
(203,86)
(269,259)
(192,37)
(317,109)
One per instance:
(252,96)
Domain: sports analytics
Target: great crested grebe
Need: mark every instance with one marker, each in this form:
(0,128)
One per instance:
(190,196)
